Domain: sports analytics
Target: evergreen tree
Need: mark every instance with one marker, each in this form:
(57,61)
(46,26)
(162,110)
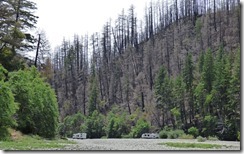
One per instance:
(233,106)
(17,17)
(93,96)
(188,77)
(163,91)
(178,94)
(200,96)
(221,83)
(208,71)
(235,88)
(207,79)
(201,62)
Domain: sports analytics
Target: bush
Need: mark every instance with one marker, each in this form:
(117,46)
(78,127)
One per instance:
(179,133)
(72,124)
(212,138)
(193,131)
(104,137)
(141,127)
(94,125)
(172,135)
(61,130)
(201,139)
(7,106)
(229,132)
(66,129)
(38,107)
(167,128)
(210,124)
(4,134)
(163,134)
(116,126)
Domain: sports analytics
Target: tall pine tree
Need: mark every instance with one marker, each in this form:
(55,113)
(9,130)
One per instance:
(93,95)
(163,91)
(188,77)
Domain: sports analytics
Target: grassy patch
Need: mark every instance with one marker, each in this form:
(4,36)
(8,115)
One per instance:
(33,143)
(192,145)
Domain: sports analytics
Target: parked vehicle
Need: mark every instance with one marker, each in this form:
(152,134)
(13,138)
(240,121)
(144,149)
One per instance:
(150,135)
(79,136)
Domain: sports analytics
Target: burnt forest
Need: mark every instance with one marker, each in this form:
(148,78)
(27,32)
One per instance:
(176,72)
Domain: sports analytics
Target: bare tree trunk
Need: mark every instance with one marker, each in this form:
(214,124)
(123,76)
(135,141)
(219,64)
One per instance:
(37,50)
(215,26)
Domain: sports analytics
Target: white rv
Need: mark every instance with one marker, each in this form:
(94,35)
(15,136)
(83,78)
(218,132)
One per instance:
(79,136)
(150,136)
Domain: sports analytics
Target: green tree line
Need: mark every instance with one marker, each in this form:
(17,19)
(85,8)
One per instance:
(206,97)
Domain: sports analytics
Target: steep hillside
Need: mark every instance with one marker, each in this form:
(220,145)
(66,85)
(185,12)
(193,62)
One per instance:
(156,74)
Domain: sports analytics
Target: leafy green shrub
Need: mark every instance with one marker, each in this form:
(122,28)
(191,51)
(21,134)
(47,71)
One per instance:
(163,134)
(172,135)
(179,133)
(210,124)
(212,138)
(193,131)
(7,106)
(116,126)
(77,120)
(229,132)
(61,130)
(104,137)
(186,136)
(4,134)
(141,127)
(94,125)
(67,128)
(201,139)
(38,107)
(167,128)
(72,124)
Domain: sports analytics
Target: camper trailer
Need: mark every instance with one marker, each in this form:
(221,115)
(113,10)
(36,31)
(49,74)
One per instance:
(150,136)
(79,136)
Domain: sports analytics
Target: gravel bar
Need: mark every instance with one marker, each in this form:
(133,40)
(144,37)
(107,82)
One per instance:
(141,144)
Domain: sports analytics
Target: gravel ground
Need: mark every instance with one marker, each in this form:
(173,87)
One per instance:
(140,144)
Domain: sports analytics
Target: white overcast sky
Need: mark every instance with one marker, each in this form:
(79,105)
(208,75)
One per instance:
(64,18)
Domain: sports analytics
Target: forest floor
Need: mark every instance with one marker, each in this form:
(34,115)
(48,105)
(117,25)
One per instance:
(144,144)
